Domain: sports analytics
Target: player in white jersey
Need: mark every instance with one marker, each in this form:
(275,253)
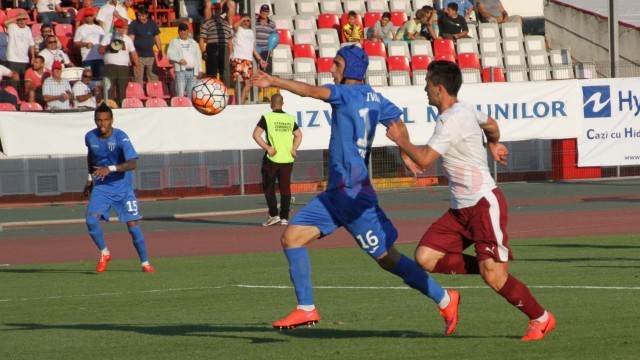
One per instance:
(478,214)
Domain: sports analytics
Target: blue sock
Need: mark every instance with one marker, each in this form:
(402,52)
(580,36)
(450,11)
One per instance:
(418,279)
(300,272)
(95,231)
(138,242)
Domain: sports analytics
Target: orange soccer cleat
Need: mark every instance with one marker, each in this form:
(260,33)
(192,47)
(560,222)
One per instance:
(298,317)
(450,313)
(148,268)
(102,263)
(537,330)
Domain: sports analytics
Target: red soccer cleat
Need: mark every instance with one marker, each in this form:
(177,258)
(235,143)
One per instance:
(537,330)
(298,317)
(102,263)
(450,313)
(148,268)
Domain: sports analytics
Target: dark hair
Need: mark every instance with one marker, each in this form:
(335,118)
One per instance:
(447,74)
(427,8)
(103,108)
(40,57)
(52,36)
(453,6)
(386,14)
(143,10)
(46,26)
(353,13)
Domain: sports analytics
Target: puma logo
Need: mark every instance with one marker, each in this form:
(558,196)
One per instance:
(490,249)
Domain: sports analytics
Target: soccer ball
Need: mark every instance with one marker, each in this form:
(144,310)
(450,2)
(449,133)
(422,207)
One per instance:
(209,96)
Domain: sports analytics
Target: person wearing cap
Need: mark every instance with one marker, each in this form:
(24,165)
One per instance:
(145,34)
(86,4)
(20,45)
(216,45)
(264,28)
(87,38)
(56,91)
(184,53)
(350,201)
(51,54)
(109,13)
(119,52)
(49,12)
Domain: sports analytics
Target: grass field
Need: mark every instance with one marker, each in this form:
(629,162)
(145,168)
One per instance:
(221,307)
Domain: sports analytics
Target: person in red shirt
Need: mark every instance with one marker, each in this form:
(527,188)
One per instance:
(33,79)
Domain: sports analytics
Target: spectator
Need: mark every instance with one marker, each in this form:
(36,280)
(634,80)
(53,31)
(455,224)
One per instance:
(131,13)
(110,12)
(410,30)
(264,28)
(429,23)
(33,79)
(5,96)
(452,26)
(244,49)
(145,34)
(50,11)
(57,91)
(352,31)
(118,51)
(20,44)
(492,11)
(85,92)
(383,29)
(465,8)
(51,54)
(216,45)
(40,43)
(185,55)
(87,38)
(225,6)
(86,4)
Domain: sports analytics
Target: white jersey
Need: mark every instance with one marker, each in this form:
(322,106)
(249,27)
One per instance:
(460,140)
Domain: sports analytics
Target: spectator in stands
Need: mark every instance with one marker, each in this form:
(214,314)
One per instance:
(410,30)
(383,29)
(51,54)
(5,96)
(131,13)
(50,11)
(118,51)
(244,50)
(429,23)
(20,44)
(185,55)
(57,91)
(352,31)
(45,31)
(492,11)
(216,45)
(465,8)
(86,93)
(33,79)
(145,34)
(110,12)
(264,28)
(227,7)
(86,4)
(87,38)
(452,26)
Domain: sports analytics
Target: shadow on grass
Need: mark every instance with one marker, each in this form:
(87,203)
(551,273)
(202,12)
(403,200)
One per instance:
(233,331)
(47,271)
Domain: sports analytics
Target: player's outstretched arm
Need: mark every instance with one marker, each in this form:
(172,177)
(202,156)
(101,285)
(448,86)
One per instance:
(263,80)
(492,132)
(422,156)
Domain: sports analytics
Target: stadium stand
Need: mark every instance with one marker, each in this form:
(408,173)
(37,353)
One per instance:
(158,89)
(421,47)
(30,106)
(180,101)
(444,47)
(305,37)
(156,102)
(304,51)
(371,18)
(283,22)
(466,45)
(400,5)
(377,71)
(354,5)
(131,103)
(398,18)
(328,50)
(419,65)
(305,22)
(398,48)
(308,7)
(493,74)
(285,7)
(324,70)
(561,64)
(331,7)
(515,66)
(135,90)
(329,21)
(7,107)
(377,6)
(305,70)
(375,48)
(282,51)
(399,71)
(285,37)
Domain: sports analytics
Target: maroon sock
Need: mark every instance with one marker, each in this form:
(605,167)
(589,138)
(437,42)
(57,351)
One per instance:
(456,263)
(519,296)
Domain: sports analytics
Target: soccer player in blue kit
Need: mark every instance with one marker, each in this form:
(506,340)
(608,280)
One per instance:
(350,200)
(110,160)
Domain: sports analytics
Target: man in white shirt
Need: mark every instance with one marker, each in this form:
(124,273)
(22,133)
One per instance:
(244,50)
(85,93)
(51,54)
(20,47)
(49,11)
(87,38)
(117,59)
(185,55)
(110,12)
(478,214)
(57,91)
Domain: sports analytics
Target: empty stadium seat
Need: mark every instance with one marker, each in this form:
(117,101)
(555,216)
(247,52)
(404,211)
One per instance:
(419,65)
(304,37)
(418,4)
(400,5)
(304,70)
(157,89)
(445,57)
(324,71)
(156,102)
(515,67)
(491,60)
(308,7)
(489,31)
(11,90)
(377,71)
(471,76)
(375,48)
(328,50)
(331,7)
(398,18)
(534,43)
(371,18)
(328,36)
(63,30)
(282,51)
(490,47)
(130,103)
(511,45)
(7,107)
(377,6)
(561,64)
(36,29)
(354,5)
(399,71)
(283,22)
(443,47)
(304,51)
(511,30)
(305,22)
(469,61)
(164,62)
(285,7)
(539,69)
(285,37)
(398,48)
(180,101)
(282,68)
(135,90)
(30,106)
(585,71)
(466,45)
(493,74)
(421,47)
(473,31)
(329,21)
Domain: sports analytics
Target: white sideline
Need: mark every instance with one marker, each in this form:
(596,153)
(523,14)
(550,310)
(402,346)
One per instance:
(574,287)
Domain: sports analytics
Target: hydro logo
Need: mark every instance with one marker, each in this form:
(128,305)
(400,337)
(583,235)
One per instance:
(596,101)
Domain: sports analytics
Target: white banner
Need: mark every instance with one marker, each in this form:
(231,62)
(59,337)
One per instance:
(533,110)
(610,129)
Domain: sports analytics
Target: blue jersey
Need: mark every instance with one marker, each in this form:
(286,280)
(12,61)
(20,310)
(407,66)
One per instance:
(112,151)
(356,111)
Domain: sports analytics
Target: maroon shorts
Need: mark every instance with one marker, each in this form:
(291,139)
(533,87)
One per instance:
(484,225)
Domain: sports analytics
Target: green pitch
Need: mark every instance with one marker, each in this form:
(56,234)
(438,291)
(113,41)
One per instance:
(221,307)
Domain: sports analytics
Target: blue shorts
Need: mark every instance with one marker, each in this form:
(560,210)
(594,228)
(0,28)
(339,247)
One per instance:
(125,205)
(361,216)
